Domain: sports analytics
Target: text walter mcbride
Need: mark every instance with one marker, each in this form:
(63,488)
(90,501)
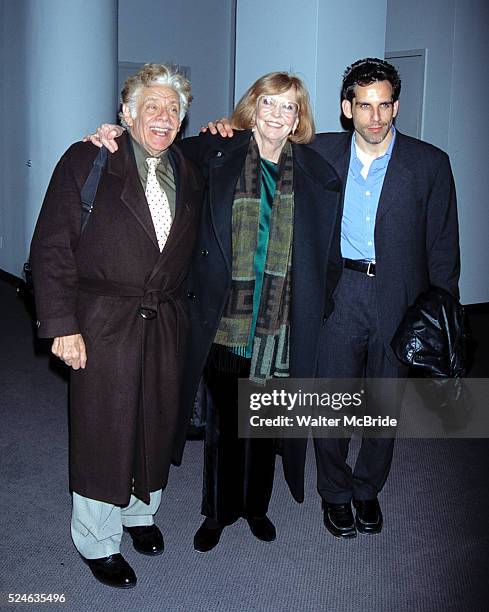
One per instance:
(346,421)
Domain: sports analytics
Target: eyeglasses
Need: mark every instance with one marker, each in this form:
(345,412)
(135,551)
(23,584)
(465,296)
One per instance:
(267,104)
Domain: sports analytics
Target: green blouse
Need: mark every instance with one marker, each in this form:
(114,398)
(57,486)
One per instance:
(269,176)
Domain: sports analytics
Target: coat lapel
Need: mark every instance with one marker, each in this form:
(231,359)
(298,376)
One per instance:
(317,193)
(225,165)
(309,177)
(397,181)
(316,204)
(187,188)
(123,165)
(340,160)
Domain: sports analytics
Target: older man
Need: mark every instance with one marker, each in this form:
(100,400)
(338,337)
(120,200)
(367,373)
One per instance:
(111,297)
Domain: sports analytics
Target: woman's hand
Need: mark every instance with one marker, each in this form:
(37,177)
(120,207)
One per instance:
(71,350)
(223,126)
(105,136)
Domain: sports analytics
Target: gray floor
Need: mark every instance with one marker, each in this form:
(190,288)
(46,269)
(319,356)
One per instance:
(431,556)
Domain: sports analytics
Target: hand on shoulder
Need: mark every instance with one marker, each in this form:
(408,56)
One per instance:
(105,136)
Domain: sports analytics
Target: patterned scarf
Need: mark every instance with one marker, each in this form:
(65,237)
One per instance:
(270,355)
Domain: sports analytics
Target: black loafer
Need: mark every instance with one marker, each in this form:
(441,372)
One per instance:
(147,539)
(206,538)
(368,516)
(113,571)
(338,520)
(262,528)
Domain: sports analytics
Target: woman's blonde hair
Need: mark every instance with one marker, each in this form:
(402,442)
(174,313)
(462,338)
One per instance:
(275,83)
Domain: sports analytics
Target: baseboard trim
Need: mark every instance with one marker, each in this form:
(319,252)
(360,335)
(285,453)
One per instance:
(11,279)
(482,308)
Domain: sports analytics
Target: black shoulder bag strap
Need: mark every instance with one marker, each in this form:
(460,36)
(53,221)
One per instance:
(89,189)
(87,195)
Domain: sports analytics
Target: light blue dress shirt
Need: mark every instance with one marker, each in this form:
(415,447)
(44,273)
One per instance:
(361,203)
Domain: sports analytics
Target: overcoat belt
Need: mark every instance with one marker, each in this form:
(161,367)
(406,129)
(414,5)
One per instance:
(146,374)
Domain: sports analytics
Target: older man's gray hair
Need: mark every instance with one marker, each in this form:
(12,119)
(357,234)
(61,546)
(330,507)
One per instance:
(155,74)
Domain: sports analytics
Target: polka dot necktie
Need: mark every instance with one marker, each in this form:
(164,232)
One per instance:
(158,203)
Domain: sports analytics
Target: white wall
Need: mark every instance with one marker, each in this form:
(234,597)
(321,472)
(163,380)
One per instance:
(422,24)
(454,32)
(13,186)
(349,30)
(199,34)
(468,137)
(282,38)
(59,68)
(315,39)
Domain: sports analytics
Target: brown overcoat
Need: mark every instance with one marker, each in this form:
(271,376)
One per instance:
(124,405)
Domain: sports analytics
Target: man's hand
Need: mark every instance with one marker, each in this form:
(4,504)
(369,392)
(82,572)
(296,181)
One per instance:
(105,136)
(223,126)
(71,350)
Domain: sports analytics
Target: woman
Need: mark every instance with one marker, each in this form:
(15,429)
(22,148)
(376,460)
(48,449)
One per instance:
(266,263)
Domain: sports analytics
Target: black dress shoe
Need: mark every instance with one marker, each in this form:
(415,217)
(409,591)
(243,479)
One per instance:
(368,516)
(338,520)
(114,571)
(262,528)
(147,539)
(206,538)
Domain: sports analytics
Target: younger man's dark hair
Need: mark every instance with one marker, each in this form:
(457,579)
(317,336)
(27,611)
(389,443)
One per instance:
(366,71)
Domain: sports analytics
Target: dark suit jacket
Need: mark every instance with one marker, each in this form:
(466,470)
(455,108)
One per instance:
(124,406)
(416,228)
(316,261)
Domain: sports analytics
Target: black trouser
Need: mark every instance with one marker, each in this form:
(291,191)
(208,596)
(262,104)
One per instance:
(354,348)
(238,472)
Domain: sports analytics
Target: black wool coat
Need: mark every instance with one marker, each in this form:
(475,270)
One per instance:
(124,406)
(316,264)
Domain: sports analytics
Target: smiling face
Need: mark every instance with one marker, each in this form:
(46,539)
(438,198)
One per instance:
(158,118)
(372,111)
(276,117)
